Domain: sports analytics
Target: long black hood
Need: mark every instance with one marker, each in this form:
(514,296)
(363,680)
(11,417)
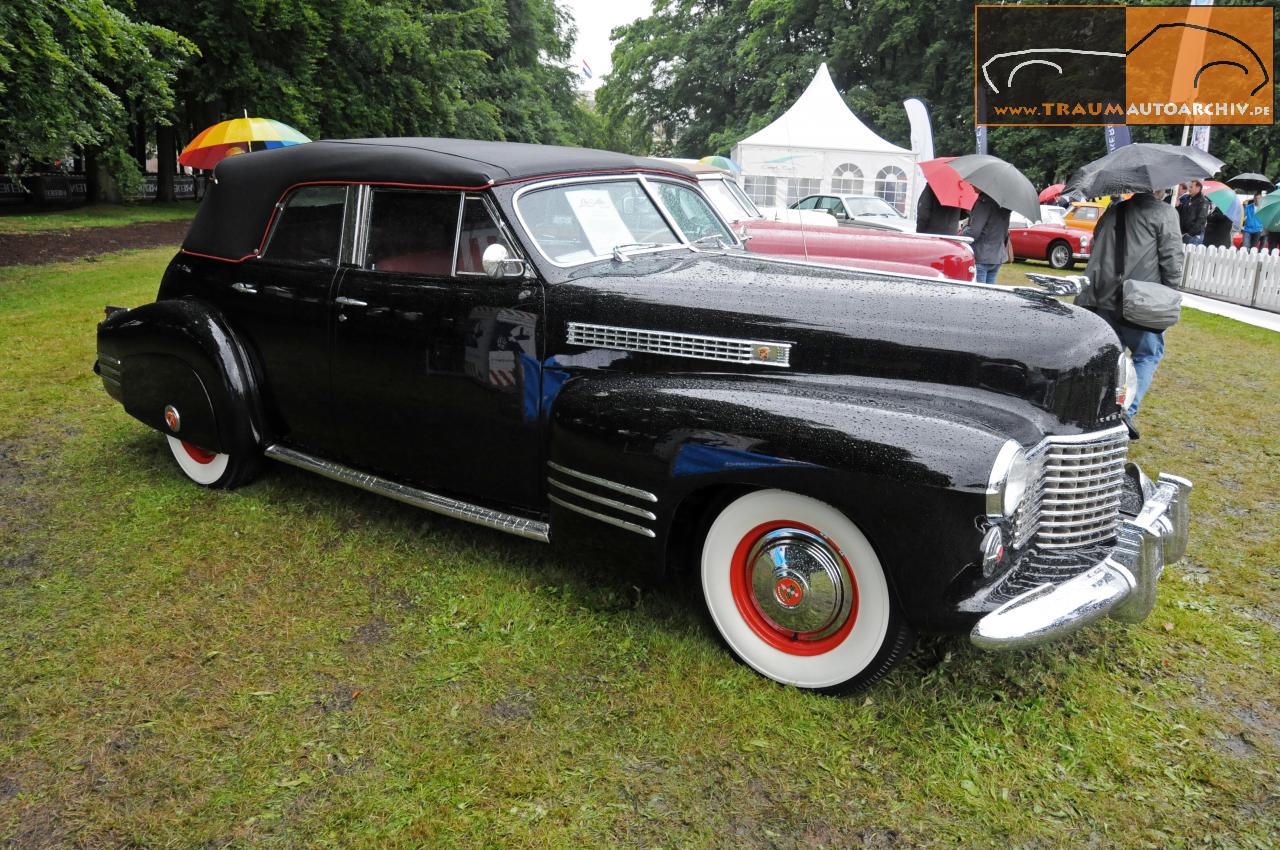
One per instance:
(1022,345)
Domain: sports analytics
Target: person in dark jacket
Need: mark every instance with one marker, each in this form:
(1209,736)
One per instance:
(1193,212)
(989,229)
(1217,229)
(1152,251)
(933,216)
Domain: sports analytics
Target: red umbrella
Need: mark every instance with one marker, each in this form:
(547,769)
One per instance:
(1052,192)
(951,190)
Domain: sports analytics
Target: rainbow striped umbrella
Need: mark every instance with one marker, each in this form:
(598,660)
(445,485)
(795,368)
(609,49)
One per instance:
(238,135)
(1224,198)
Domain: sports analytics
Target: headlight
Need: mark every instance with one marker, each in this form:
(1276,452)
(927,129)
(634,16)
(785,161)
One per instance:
(1010,476)
(1084,242)
(1126,380)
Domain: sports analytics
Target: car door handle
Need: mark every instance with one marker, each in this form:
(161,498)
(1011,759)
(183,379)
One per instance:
(246,288)
(350,302)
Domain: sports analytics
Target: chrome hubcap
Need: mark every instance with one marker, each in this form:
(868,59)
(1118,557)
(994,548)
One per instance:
(799,583)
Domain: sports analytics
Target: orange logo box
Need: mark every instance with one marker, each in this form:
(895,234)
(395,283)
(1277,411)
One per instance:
(1199,65)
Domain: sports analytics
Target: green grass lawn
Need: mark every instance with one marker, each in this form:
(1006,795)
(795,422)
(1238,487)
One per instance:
(301,664)
(95,215)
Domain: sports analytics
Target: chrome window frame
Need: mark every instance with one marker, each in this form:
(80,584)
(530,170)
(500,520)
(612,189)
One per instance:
(513,244)
(364,226)
(682,242)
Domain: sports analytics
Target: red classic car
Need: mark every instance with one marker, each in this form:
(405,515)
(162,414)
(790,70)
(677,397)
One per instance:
(1056,244)
(858,247)
(875,250)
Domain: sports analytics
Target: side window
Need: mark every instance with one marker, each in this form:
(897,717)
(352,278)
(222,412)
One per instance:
(830,204)
(411,231)
(808,203)
(478,232)
(309,227)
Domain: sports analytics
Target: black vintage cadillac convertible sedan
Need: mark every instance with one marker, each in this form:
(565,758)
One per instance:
(570,345)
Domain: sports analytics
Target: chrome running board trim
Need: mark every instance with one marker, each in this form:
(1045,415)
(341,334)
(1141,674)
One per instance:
(520,526)
(604,482)
(620,523)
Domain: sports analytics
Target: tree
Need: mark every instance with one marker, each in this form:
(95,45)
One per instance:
(71,72)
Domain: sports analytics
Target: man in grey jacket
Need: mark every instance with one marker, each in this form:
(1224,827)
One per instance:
(989,229)
(1152,251)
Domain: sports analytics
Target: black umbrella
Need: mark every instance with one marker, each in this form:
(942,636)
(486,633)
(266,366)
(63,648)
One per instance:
(1143,167)
(1251,182)
(1005,185)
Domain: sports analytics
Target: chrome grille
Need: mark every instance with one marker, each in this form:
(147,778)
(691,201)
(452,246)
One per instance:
(717,348)
(1075,500)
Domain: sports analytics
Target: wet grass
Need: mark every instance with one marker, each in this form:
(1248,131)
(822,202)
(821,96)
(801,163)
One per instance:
(94,215)
(300,664)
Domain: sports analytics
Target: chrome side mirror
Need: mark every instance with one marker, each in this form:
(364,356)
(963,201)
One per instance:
(1055,285)
(742,234)
(499,264)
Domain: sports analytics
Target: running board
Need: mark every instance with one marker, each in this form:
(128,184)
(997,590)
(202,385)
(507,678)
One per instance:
(520,526)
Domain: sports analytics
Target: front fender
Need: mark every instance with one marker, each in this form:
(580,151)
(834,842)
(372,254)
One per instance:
(912,476)
(182,353)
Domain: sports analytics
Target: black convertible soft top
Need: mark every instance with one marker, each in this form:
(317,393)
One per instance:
(233,217)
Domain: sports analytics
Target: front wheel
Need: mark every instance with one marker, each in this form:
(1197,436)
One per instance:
(798,593)
(1060,256)
(212,469)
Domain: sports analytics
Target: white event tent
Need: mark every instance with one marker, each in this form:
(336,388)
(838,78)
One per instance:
(818,146)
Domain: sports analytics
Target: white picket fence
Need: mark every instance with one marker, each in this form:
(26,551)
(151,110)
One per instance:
(1251,278)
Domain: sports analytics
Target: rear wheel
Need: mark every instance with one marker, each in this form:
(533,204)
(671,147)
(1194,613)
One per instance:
(798,593)
(212,469)
(1060,255)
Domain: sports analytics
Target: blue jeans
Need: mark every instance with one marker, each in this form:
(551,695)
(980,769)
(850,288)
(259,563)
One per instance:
(1252,240)
(987,272)
(1193,239)
(1147,347)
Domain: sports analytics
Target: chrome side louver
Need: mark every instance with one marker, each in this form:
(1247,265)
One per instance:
(624,506)
(670,344)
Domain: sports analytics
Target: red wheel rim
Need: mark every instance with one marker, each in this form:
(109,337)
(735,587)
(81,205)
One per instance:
(198,454)
(740,584)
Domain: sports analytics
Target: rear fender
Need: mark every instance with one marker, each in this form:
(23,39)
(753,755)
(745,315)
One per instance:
(182,354)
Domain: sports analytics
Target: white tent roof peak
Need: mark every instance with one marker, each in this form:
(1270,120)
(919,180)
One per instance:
(821,119)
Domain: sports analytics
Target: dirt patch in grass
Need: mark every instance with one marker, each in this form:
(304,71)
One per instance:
(36,248)
(22,513)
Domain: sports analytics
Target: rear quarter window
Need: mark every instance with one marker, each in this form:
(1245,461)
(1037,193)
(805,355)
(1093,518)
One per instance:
(308,229)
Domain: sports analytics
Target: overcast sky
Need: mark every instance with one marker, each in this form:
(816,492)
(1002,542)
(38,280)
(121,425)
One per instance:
(595,18)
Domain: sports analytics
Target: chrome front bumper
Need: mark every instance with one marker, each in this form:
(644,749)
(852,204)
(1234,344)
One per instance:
(1122,585)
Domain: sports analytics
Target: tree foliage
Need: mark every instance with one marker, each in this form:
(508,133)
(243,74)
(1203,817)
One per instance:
(697,76)
(71,71)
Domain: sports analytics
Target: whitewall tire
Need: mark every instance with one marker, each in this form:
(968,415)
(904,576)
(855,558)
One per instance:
(798,593)
(209,469)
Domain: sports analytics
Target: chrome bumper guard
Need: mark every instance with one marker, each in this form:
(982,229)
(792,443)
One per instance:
(1122,585)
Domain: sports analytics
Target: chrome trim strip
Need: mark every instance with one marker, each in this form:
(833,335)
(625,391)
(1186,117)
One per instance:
(520,526)
(457,231)
(604,482)
(679,344)
(621,506)
(620,523)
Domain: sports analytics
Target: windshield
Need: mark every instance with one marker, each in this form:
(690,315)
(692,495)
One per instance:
(870,206)
(691,212)
(578,222)
(727,203)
